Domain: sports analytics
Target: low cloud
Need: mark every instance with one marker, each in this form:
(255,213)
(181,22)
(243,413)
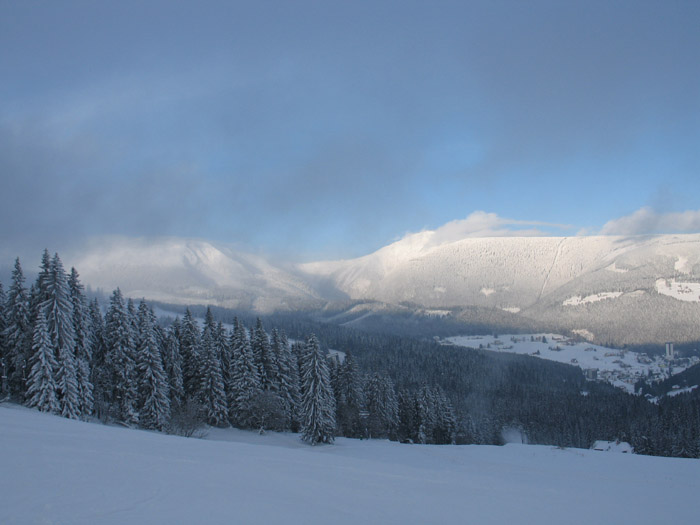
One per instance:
(646,221)
(483,224)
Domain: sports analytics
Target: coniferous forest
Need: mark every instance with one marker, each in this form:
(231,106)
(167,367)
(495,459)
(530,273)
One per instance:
(118,363)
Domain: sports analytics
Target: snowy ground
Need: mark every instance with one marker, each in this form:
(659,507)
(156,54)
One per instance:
(60,471)
(618,367)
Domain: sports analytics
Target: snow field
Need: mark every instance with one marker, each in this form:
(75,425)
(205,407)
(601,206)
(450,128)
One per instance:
(618,367)
(60,471)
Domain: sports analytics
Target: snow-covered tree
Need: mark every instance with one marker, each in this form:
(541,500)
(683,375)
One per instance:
(349,398)
(382,406)
(154,400)
(317,401)
(121,392)
(191,361)
(83,344)
(264,357)
(287,378)
(211,392)
(41,383)
(17,335)
(172,362)
(59,314)
(245,379)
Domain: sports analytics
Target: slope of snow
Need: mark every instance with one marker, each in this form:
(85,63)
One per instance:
(189,271)
(578,300)
(689,292)
(618,367)
(60,471)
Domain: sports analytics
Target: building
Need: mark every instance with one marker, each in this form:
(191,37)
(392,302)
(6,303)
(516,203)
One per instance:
(670,354)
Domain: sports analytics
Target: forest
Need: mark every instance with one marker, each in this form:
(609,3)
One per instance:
(118,363)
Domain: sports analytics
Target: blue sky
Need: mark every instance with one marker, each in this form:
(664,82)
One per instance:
(328,129)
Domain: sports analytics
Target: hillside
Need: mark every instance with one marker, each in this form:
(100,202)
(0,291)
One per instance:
(65,471)
(617,290)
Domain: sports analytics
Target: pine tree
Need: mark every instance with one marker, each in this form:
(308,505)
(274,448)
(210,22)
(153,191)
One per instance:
(3,348)
(382,406)
(349,398)
(245,379)
(17,335)
(212,393)
(287,378)
(264,357)
(83,346)
(154,401)
(121,392)
(317,400)
(41,384)
(189,349)
(172,361)
(99,371)
(58,310)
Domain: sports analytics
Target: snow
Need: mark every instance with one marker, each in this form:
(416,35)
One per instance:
(511,309)
(617,367)
(689,292)
(621,447)
(685,390)
(681,265)
(577,300)
(61,471)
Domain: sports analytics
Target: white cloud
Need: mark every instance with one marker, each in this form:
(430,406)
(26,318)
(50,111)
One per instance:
(481,224)
(646,220)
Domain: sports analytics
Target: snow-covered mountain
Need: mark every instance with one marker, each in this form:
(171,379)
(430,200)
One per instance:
(609,289)
(621,289)
(191,271)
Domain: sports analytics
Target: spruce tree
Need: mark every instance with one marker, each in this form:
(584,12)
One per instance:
(58,310)
(287,378)
(349,398)
(121,392)
(99,371)
(317,401)
(154,401)
(41,383)
(83,343)
(3,349)
(211,392)
(264,357)
(189,349)
(17,335)
(245,379)
(172,361)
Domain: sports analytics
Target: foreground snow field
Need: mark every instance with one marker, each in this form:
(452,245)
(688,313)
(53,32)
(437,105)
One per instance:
(53,470)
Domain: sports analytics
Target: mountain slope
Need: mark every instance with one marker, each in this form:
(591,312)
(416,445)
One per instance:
(190,271)
(599,284)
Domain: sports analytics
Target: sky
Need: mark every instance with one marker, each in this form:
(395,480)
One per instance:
(323,129)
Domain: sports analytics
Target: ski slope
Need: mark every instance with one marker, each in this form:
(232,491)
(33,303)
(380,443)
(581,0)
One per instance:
(60,471)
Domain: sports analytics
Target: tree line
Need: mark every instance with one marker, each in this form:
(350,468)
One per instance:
(60,354)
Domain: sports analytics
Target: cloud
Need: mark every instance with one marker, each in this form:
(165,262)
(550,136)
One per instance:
(646,220)
(484,224)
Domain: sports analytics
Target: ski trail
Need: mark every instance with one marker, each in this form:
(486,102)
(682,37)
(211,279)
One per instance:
(556,256)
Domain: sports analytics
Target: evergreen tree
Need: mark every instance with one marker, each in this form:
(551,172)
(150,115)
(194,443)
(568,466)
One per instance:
(189,349)
(58,310)
(245,379)
(121,392)
(172,361)
(17,335)
(3,348)
(349,398)
(264,357)
(83,344)
(41,385)
(154,401)
(99,371)
(212,393)
(382,406)
(287,378)
(317,400)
